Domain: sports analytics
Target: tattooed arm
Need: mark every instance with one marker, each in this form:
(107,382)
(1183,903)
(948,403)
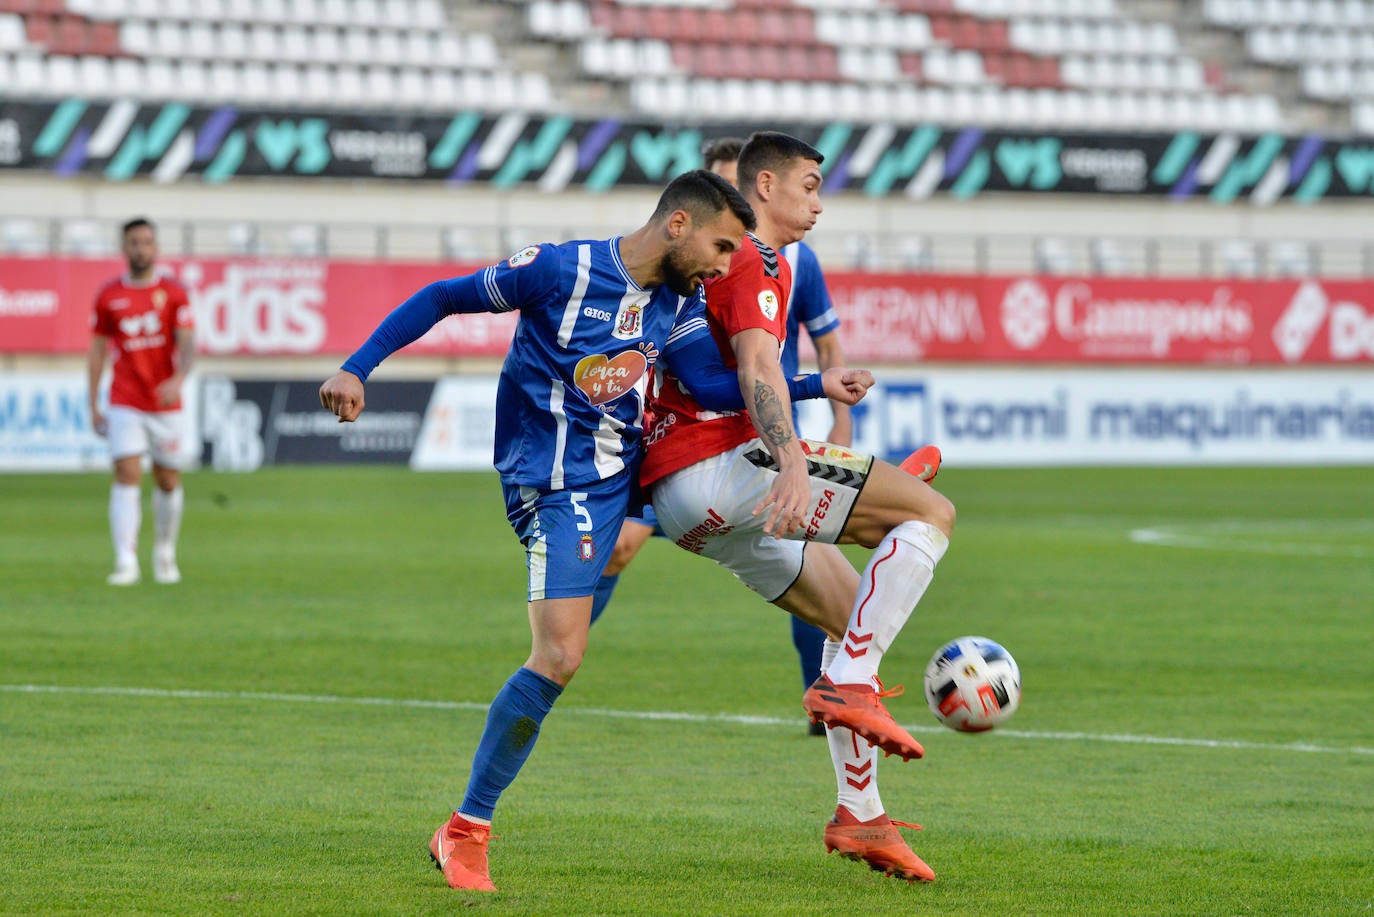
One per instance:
(765,395)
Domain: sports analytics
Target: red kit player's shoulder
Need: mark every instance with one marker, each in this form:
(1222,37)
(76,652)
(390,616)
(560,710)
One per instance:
(173,287)
(111,287)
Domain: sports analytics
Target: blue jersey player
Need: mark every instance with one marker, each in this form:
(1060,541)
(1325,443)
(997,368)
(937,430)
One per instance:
(594,317)
(809,307)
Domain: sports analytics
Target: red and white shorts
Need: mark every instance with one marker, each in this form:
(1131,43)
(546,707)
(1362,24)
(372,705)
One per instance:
(707,508)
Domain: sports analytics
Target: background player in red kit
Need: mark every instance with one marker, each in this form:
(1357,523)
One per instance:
(143,320)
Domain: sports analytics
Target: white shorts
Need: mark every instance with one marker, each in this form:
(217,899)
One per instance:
(707,508)
(134,432)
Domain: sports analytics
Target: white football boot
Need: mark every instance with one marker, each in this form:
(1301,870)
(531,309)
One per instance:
(125,573)
(165,564)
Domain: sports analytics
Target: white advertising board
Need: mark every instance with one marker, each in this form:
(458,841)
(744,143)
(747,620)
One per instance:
(45,424)
(1046,416)
(458,432)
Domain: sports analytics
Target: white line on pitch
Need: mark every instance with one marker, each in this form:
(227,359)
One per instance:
(187,694)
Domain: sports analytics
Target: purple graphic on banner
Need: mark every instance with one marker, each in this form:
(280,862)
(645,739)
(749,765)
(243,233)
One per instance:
(213,131)
(74,156)
(960,150)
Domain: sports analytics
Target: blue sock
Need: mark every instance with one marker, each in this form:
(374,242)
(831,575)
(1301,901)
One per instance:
(512,726)
(602,594)
(810,642)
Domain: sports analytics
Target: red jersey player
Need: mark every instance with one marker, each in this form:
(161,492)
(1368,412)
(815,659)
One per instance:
(142,319)
(742,489)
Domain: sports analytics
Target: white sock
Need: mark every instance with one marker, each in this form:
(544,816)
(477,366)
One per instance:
(126,515)
(896,577)
(855,761)
(167,516)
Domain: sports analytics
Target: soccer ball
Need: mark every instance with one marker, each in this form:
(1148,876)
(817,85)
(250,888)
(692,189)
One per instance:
(972,684)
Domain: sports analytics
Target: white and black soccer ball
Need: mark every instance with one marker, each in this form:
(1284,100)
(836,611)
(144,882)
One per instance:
(972,684)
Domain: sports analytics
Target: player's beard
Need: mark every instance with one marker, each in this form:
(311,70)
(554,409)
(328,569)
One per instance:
(676,276)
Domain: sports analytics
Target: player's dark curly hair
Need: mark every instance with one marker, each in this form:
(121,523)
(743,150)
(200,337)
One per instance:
(135,223)
(771,151)
(704,194)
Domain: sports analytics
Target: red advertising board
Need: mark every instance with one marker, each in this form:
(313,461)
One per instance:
(296,307)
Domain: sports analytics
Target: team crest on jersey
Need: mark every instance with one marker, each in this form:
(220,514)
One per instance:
(524,256)
(768,304)
(586,549)
(159,298)
(629,321)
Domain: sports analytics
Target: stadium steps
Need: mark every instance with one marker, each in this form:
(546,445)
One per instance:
(1228,58)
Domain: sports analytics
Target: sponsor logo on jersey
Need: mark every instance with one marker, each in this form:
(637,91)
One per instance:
(144,325)
(120,303)
(524,256)
(603,379)
(600,315)
(768,304)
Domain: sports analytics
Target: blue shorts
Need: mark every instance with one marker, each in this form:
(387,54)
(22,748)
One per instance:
(568,534)
(647,516)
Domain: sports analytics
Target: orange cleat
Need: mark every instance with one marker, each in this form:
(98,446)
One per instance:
(860,708)
(878,843)
(924,463)
(459,849)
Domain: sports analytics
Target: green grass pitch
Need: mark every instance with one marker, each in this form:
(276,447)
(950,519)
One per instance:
(282,732)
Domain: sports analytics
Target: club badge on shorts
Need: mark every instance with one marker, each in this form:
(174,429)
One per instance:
(586,549)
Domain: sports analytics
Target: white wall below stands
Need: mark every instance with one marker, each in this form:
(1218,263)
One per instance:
(415,215)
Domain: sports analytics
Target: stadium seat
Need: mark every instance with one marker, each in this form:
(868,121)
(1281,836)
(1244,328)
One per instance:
(22,236)
(85,237)
(1237,258)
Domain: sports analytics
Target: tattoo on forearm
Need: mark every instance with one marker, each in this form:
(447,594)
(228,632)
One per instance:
(772,420)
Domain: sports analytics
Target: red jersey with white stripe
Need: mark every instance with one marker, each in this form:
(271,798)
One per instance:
(753,294)
(141,320)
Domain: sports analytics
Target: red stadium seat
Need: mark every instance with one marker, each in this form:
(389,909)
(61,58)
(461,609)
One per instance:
(772,27)
(39,29)
(661,23)
(104,40)
(799,27)
(70,36)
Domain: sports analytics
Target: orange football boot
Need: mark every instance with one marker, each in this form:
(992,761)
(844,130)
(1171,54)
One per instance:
(924,463)
(878,843)
(459,848)
(860,708)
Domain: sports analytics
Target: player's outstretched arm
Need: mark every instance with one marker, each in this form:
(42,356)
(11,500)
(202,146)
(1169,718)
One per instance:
(342,394)
(694,358)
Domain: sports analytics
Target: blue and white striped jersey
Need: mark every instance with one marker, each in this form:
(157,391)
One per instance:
(569,405)
(809,303)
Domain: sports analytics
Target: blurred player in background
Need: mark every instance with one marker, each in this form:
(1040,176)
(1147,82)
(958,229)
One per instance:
(809,306)
(742,489)
(143,322)
(594,317)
